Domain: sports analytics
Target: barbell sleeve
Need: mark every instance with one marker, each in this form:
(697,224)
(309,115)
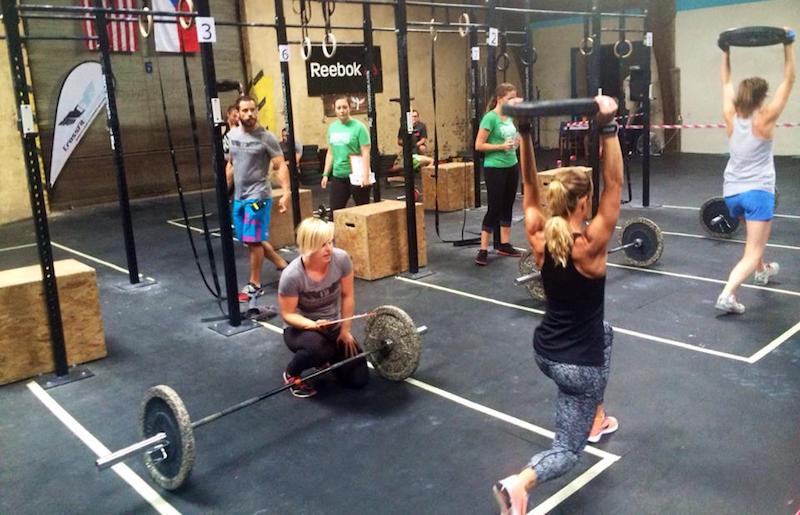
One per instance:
(519,281)
(153,443)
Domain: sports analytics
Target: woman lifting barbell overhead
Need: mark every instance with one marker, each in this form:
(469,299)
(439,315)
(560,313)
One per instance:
(749,178)
(573,343)
(315,288)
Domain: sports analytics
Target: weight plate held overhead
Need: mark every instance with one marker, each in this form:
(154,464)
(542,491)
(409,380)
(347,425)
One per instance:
(400,358)
(651,241)
(163,411)
(716,219)
(528,266)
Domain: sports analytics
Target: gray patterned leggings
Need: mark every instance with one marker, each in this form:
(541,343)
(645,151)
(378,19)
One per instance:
(580,390)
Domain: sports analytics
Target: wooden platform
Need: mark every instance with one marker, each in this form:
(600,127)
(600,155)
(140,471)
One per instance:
(375,237)
(25,349)
(281,225)
(455,186)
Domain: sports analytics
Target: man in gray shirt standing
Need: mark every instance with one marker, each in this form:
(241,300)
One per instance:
(252,150)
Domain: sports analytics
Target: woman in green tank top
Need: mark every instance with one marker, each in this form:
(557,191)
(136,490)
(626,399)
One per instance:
(498,140)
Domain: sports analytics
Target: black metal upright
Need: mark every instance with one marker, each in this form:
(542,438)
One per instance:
(405,108)
(372,114)
(529,58)
(112,119)
(218,165)
(646,120)
(35,188)
(475,108)
(283,46)
(595,81)
(491,76)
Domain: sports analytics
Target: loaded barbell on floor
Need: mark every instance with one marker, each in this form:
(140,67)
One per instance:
(392,344)
(717,221)
(641,241)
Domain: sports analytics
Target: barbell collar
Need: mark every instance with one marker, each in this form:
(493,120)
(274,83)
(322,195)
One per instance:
(154,443)
(635,243)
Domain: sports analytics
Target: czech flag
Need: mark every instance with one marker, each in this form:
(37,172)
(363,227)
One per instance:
(171,36)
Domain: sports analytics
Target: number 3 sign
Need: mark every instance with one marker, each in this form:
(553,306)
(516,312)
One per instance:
(206,30)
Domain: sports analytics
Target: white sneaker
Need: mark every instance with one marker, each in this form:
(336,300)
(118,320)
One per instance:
(511,496)
(729,304)
(761,277)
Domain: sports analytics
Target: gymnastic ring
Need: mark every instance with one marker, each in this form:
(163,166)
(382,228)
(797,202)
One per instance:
(186,21)
(329,37)
(534,56)
(434,32)
(145,23)
(628,49)
(305,48)
(463,28)
(586,46)
(504,59)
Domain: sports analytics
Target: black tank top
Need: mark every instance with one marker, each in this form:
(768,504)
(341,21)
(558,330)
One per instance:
(572,329)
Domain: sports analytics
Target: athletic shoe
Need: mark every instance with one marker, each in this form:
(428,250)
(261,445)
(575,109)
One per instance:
(511,497)
(507,249)
(608,426)
(761,277)
(299,388)
(729,304)
(249,291)
(482,259)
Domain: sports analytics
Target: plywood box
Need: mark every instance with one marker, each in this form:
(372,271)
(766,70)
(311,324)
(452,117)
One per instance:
(375,237)
(455,187)
(281,225)
(25,348)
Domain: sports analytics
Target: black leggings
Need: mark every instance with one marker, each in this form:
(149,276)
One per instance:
(501,191)
(316,348)
(340,189)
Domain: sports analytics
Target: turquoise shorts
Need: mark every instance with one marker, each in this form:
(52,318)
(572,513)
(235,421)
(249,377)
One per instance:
(753,205)
(251,220)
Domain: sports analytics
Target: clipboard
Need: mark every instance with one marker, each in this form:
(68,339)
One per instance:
(357,171)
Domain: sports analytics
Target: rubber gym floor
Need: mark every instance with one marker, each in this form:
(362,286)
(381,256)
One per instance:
(707,403)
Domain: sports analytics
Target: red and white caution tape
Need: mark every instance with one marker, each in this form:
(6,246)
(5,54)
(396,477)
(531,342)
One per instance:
(584,125)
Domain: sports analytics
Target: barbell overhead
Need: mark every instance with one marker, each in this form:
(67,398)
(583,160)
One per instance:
(392,344)
(569,106)
(754,37)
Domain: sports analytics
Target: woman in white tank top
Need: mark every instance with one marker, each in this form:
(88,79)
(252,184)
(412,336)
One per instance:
(749,184)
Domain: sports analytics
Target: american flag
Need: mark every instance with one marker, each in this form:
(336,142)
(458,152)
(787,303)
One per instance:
(122,35)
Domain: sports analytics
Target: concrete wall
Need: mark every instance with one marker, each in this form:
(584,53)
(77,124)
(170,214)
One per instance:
(698,57)
(14,198)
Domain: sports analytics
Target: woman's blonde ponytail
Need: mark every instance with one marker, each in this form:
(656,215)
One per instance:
(557,232)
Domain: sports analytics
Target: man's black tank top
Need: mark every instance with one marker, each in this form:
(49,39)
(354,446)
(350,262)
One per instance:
(572,329)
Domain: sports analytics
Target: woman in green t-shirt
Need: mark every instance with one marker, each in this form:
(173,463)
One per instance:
(498,140)
(346,137)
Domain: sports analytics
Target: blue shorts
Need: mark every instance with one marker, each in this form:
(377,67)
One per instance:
(251,220)
(753,205)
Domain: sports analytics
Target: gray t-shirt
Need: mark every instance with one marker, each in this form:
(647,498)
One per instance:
(251,153)
(316,300)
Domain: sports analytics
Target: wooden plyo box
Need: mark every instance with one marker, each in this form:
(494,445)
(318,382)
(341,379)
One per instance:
(25,348)
(456,186)
(375,237)
(281,225)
